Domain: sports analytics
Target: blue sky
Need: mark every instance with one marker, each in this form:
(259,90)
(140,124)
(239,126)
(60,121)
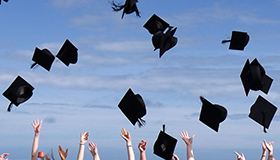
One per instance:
(116,54)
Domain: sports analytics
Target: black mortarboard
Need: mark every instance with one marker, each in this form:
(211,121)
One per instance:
(262,112)
(43,57)
(18,92)
(128,7)
(164,146)
(212,114)
(253,77)
(4,0)
(133,107)
(155,24)
(68,53)
(238,40)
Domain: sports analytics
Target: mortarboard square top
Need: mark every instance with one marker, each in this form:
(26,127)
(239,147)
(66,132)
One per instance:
(253,77)
(212,114)
(68,53)
(133,107)
(238,40)
(155,24)
(262,112)
(164,146)
(43,57)
(19,91)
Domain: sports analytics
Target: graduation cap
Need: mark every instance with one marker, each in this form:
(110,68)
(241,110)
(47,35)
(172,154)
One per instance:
(238,40)
(155,24)
(68,53)
(167,41)
(262,112)
(128,8)
(164,146)
(253,77)
(4,0)
(18,92)
(164,41)
(212,114)
(133,107)
(43,57)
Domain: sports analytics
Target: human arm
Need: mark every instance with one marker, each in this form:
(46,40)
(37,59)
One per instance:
(83,140)
(126,136)
(62,154)
(142,148)
(185,136)
(2,157)
(269,147)
(37,128)
(240,157)
(264,151)
(93,150)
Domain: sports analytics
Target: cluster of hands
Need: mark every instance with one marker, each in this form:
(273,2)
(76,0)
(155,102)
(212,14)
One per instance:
(265,147)
(143,144)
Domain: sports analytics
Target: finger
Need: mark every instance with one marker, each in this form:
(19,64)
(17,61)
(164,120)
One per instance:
(193,136)
(66,150)
(238,155)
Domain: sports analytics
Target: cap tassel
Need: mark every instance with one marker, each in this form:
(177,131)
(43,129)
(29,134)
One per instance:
(117,7)
(9,107)
(141,122)
(264,130)
(225,41)
(163,127)
(34,64)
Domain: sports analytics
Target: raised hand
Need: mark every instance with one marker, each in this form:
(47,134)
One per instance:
(92,148)
(240,157)
(268,145)
(84,137)
(37,125)
(184,135)
(2,157)
(142,146)
(126,136)
(62,154)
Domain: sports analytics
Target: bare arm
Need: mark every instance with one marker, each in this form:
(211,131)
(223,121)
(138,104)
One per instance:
(142,148)
(184,135)
(264,151)
(269,147)
(126,136)
(83,140)
(37,128)
(93,150)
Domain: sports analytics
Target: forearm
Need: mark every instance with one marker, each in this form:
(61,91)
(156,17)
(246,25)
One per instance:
(35,144)
(81,152)
(96,157)
(143,155)
(130,152)
(263,155)
(190,155)
(270,156)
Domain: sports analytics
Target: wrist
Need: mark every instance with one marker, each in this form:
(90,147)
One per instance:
(81,143)
(128,145)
